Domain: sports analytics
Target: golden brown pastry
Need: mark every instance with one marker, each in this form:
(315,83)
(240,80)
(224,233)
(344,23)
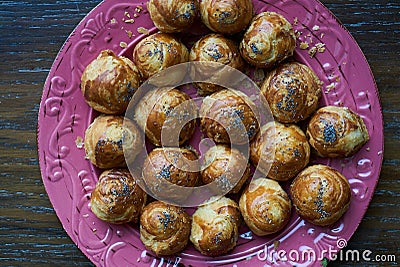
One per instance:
(226,16)
(265,206)
(229,116)
(289,145)
(227,166)
(165,115)
(320,194)
(293,91)
(109,82)
(215,227)
(117,197)
(176,165)
(336,132)
(158,52)
(106,138)
(269,40)
(164,228)
(219,49)
(173,16)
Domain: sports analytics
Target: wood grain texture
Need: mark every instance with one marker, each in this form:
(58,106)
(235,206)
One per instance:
(31,34)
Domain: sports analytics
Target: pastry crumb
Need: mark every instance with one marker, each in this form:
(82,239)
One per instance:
(320,47)
(315,28)
(139,9)
(322,35)
(129,33)
(304,45)
(85,215)
(94,230)
(368,149)
(113,21)
(295,21)
(276,244)
(138,259)
(123,45)
(312,51)
(143,30)
(129,21)
(127,14)
(79,142)
(135,15)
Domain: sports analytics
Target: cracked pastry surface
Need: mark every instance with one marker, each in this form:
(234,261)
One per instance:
(164,228)
(320,195)
(158,52)
(269,40)
(107,136)
(265,206)
(227,166)
(226,16)
(165,115)
(215,48)
(229,116)
(215,227)
(109,82)
(288,145)
(293,91)
(336,132)
(117,198)
(173,16)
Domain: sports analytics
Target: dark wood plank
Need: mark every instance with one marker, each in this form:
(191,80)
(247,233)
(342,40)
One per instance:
(32,32)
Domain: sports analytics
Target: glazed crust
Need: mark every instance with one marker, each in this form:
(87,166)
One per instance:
(336,132)
(158,52)
(219,49)
(265,206)
(117,198)
(229,111)
(173,16)
(320,194)
(159,108)
(225,164)
(176,165)
(164,228)
(269,40)
(226,16)
(293,91)
(215,227)
(106,138)
(109,82)
(289,145)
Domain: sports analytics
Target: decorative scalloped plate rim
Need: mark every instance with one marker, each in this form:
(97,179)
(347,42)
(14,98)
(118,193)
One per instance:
(69,178)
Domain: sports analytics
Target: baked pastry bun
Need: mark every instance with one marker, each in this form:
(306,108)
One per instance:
(173,16)
(336,132)
(320,194)
(226,16)
(269,40)
(117,198)
(218,49)
(106,138)
(164,228)
(292,91)
(157,52)
(227,166)
(215,227)
(229,116)
(265,206)
(291,151)
(178,166)
(166,116)
(109,82)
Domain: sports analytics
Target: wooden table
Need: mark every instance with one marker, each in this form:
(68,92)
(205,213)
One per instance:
(32,32)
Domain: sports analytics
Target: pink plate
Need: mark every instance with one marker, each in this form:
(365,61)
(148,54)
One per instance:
(69,178)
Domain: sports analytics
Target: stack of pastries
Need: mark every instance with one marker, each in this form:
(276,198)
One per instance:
(279,151)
